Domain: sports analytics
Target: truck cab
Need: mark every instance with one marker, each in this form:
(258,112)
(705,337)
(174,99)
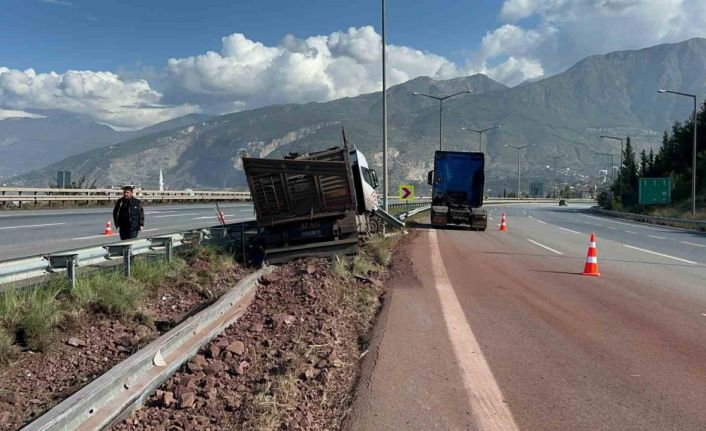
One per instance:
(365,181)
(457,189)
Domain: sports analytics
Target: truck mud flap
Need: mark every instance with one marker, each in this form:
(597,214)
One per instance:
(389,218)
(317,249)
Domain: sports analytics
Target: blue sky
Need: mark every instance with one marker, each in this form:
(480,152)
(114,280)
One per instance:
(109,35)
(133,63)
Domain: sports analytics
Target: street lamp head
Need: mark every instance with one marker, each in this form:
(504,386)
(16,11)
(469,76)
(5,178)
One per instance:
(415,93)
(661,91)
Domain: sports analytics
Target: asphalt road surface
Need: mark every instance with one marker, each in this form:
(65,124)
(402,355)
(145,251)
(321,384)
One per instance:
(32,232)
(499,331)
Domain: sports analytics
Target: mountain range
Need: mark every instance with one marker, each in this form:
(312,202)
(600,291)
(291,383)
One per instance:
(611,94)
(47,136)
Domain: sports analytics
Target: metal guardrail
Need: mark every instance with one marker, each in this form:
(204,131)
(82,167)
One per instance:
(16,270)
(699,225)
(125,387)
(22,195)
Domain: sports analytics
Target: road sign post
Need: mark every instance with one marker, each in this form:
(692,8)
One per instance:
(406,192)
(655,191)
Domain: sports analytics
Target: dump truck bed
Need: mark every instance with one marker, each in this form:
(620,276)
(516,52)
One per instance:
(309,187)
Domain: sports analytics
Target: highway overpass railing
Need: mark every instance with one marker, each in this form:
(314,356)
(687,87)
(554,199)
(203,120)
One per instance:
(17,196)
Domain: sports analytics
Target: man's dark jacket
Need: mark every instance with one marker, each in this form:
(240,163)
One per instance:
(128,214)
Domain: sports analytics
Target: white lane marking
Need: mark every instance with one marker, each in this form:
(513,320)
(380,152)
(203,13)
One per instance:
(490,218)
(486,400)
(569,230)
(660,254)
(611,227)
(544,246)
(629,231)
(543,222)
(248,210)
(691,243)
(176,215)
(92,236)
(205,217)
(31,225)
(656,237)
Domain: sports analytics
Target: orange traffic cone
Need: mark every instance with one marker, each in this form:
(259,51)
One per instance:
(503,224)
(108,228)
(591,267)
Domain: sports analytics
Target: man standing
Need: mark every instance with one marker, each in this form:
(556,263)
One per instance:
(128,215)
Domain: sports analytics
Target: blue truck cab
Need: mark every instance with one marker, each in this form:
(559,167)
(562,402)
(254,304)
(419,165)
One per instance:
(457,184)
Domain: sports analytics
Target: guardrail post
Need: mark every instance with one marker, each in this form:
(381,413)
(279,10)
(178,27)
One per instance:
(168,250)
(71,271)
(127,258)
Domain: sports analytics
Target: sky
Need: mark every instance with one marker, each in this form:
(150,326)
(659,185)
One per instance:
(133,63)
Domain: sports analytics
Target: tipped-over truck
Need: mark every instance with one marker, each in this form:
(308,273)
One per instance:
(457,184)
(312,204)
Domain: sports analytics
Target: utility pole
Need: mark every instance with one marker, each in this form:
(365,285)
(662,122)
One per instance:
(693,156)
(480,134)
(518,166)
(555,158)
(385,185)
(441,107)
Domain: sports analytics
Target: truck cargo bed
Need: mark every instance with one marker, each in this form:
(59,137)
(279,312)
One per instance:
(290,190)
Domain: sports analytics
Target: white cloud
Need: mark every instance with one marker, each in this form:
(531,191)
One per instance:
(317,68)
(100,95)
(569,30)
(515,10)
(9,113)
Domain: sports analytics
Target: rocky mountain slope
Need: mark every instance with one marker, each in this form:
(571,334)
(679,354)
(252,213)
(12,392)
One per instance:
(28,143)
(565,114)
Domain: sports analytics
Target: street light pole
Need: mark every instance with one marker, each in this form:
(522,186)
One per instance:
(620,178)
(693,156)
(480,134)
(555,158)
(518,166)
(441,107)
(385,186)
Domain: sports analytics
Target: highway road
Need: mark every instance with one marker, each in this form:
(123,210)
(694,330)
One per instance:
(31,232)
(500,331)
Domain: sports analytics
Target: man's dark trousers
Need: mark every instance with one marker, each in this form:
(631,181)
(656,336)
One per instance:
(128,234)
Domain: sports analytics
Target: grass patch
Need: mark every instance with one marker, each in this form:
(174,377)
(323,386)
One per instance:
(341,266)
(8,350)
(41,314)
(29,317)
(11,308)
(108,292)
(380,248)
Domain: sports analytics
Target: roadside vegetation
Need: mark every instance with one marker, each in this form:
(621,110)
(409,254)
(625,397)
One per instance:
(32,317)
(672,160)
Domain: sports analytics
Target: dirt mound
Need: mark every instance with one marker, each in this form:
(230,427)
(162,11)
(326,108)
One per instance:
(290,363)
